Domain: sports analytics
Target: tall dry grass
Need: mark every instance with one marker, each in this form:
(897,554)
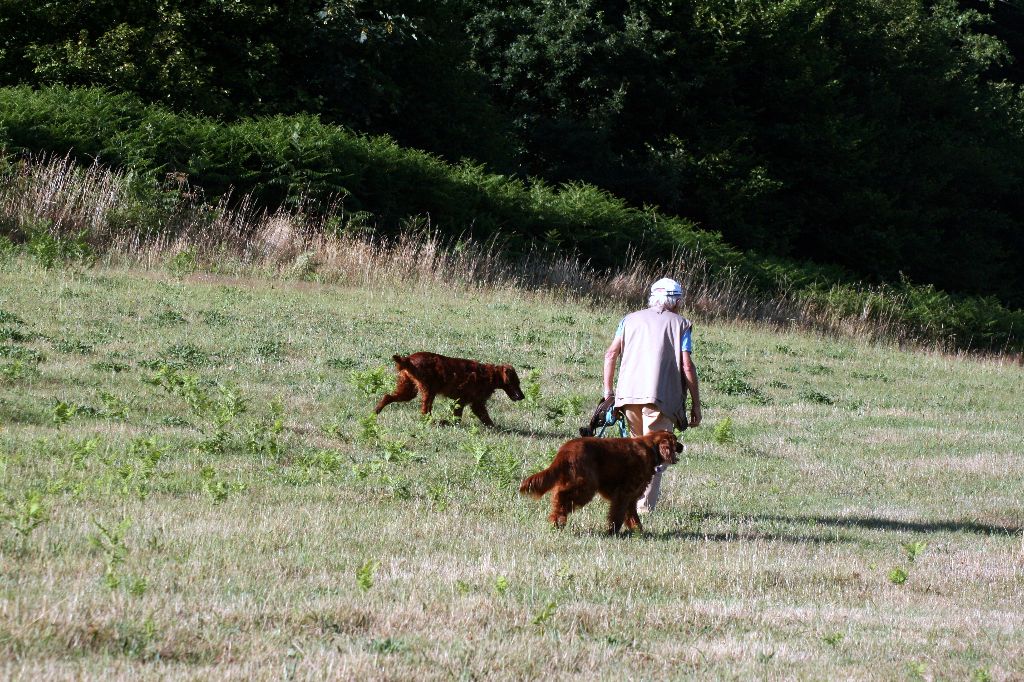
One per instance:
(128,219)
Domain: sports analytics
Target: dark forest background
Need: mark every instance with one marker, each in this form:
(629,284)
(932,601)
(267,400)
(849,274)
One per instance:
(881,138)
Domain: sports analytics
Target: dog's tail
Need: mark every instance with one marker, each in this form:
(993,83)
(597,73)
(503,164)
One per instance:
(539,484)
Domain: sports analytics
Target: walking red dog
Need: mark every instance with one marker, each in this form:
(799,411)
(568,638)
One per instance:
(617,468)
(467,382)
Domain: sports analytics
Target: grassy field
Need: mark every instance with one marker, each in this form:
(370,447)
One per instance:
(192,488)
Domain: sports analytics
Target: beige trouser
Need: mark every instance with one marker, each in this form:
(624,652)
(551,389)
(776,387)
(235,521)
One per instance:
(643,419)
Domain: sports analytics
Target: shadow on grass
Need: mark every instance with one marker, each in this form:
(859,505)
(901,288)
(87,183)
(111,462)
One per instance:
(748,536)
(821,529)
(874,523)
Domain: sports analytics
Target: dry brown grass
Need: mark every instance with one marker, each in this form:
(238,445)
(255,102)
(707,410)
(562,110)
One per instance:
(101,207)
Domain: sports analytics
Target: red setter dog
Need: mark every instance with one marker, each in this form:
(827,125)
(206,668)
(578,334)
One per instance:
(467,382)
(618,468)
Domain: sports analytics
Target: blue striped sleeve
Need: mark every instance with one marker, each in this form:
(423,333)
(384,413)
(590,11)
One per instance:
(687,342)
(621,329)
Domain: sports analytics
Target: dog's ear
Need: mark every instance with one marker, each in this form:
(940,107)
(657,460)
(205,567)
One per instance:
(667,448)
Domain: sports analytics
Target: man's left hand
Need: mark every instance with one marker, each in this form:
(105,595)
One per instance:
(695,416)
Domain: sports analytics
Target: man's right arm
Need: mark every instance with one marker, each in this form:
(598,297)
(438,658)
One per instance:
(611,356)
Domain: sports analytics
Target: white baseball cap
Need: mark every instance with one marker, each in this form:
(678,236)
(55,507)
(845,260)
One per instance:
(668,287)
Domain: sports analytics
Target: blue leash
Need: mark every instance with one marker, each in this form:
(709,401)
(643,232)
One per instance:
(610,421)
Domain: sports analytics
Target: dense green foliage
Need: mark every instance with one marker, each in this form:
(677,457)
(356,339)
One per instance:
(1005,21)
(859,132)
(355,62)
(876,134)
(289,159)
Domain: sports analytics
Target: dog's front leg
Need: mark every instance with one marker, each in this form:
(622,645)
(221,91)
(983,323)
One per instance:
(404,391)
(480,410)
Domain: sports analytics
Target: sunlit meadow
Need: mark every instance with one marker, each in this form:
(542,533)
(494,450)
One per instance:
(193,487)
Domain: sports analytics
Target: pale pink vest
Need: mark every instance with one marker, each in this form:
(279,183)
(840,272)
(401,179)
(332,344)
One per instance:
(651,371)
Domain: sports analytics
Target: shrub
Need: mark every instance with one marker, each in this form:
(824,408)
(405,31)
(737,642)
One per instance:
(288,158)
(898,576)
(723,433)
(27,514)
(370,383)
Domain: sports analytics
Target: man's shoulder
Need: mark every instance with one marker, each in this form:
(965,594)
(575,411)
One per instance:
(652,316)
(661,315)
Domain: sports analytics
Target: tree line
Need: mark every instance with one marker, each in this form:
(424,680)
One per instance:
(885,137)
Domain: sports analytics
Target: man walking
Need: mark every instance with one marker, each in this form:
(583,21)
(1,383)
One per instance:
(655,345)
